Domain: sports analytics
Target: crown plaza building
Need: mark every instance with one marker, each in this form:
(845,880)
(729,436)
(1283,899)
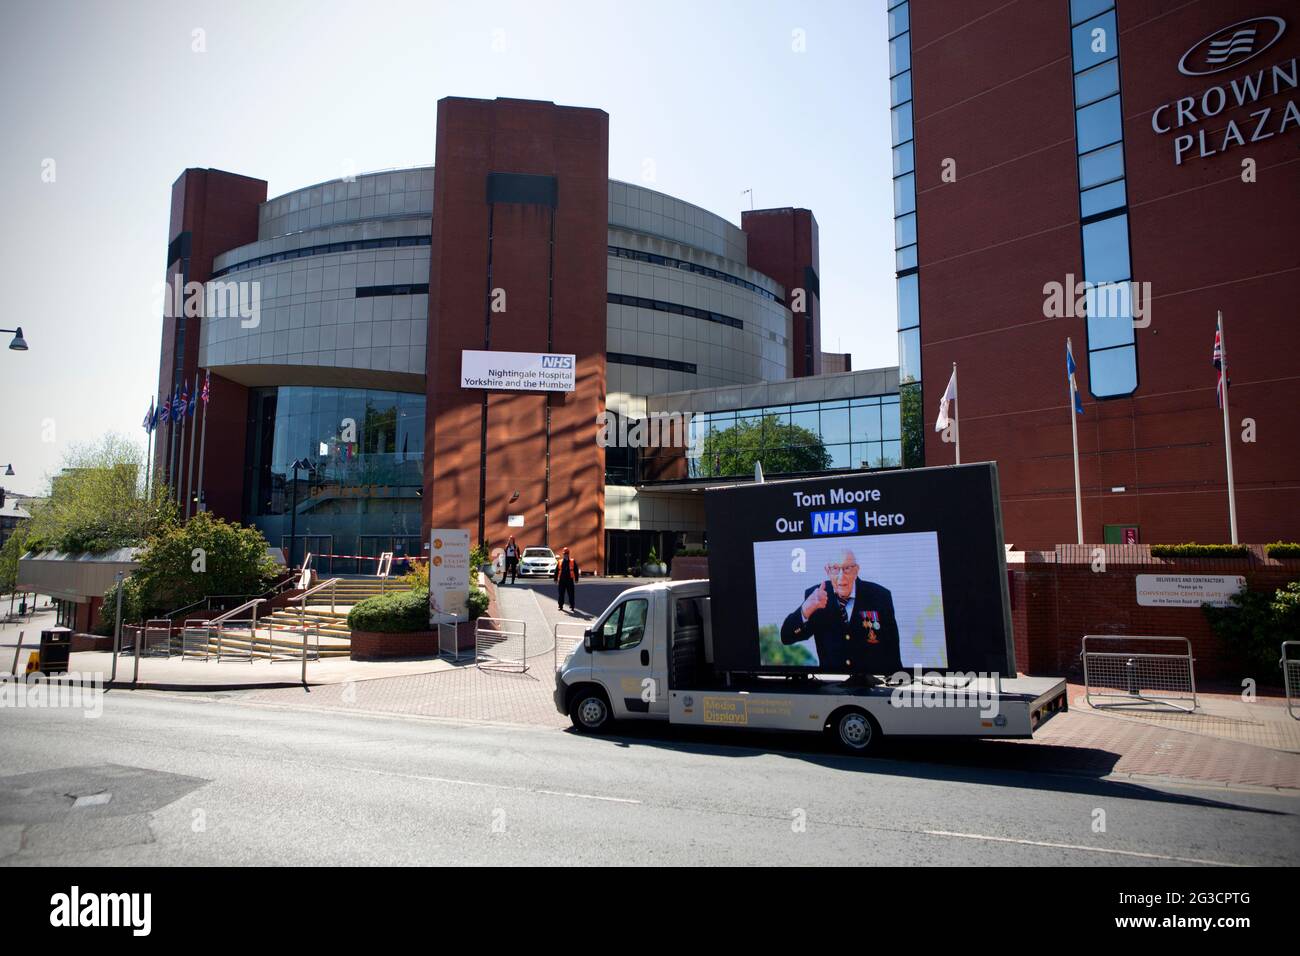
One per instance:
(1153,145)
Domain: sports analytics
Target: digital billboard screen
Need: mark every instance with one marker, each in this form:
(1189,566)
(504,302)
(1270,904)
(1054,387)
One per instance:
(861,574)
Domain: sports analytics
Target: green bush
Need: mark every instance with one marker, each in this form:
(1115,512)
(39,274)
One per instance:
(1194,550)
(693,553)
(392,613)
(1282,549)
(1255,625)
(405,611)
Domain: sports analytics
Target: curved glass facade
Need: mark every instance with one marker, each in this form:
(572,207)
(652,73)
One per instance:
(361,496)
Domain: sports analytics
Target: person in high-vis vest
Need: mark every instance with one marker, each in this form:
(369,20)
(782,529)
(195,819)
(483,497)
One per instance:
(566,575)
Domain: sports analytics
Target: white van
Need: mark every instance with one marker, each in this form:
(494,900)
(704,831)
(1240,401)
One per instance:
(649,656)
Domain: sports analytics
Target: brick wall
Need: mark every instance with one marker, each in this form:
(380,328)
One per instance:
(1057,598)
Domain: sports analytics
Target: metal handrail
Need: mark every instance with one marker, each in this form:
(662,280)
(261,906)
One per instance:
(302,598)
(302,618)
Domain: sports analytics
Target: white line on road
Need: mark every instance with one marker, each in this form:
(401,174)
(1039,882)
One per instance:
(1076,846)
(486,786)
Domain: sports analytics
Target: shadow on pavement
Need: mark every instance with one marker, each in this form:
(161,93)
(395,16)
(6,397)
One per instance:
(1044,767)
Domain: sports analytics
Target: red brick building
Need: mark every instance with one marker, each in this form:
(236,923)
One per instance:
(1051,141)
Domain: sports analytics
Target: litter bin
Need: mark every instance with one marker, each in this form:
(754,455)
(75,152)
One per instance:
(55,645)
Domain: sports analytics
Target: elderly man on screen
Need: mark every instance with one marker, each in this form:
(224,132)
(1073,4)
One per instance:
(851,620)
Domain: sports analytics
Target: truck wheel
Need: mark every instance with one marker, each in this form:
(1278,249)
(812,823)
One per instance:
(589,711)
(854,731)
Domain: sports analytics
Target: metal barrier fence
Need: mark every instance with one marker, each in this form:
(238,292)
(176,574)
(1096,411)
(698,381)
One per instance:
(449,643)
(1291,675)
(503,645)
(156,637)
(1139,677)
(565,642)
(196,639)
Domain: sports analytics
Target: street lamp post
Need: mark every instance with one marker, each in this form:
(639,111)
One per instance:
(302,464)
(19,344)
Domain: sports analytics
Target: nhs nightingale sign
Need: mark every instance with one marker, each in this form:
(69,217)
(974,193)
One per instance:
(517,371)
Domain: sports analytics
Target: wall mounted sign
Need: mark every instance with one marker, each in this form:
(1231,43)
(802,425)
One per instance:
(517,371)
(1187,590)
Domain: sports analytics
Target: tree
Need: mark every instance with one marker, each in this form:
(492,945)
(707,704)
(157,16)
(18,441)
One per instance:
(14,548)
(912,421)
(96,503)
(183,564)
(782,448)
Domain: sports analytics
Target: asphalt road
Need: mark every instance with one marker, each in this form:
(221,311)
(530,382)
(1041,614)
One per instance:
(165,779)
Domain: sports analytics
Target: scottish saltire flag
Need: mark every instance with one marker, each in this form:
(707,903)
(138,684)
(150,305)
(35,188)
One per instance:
(1074,386)
(207,383)
(176,405)
(183,406)
(1222,385)
(147,424)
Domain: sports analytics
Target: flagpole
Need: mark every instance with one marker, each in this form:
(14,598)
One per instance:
(1074,436)
(189,473)
(203,438)
(148,450)
(1227,431)
(171,449)
(956,424)
(180,463)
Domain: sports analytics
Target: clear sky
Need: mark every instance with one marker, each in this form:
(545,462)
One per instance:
(714,97)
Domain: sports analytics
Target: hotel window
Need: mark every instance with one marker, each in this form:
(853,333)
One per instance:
(1103,198)
(906,260)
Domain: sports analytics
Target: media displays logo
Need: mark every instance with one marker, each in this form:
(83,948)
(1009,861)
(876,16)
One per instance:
(93,910)
(1231,46)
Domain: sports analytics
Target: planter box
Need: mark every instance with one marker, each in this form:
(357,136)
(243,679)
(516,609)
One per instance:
(377,646)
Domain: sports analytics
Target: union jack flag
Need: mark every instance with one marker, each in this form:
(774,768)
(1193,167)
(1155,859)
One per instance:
(1222,385)
(167,409)
(207,382)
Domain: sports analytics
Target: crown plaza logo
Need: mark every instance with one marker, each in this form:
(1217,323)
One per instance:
(1231,46)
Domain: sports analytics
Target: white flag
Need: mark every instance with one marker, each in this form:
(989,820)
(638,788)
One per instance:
(948,396)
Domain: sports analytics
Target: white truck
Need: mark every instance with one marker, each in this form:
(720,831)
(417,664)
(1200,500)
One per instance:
(649,656)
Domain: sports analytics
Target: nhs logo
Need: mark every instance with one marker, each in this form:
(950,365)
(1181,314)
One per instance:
(835,522)
(557,361)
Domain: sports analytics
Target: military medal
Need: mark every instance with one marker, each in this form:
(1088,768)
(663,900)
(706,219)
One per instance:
(871,621)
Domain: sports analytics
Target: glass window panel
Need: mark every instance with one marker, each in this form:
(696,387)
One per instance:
(809,422)
(900,88)
(781,411)
(1098,125)
(1105,250)
(865,423)
(1092,85)
(864,455)
(904,158)
(905,258)
(1113,372)
(905,194)
(1110,315)
(909,307)
(891,454)
(905,230)
(835,425)
(1103,166)
(1094,41)
(1101,199)
(898,20)
(909,355)
(900,54)
(889,420)
(900,119)
(1081,10)
(839,455)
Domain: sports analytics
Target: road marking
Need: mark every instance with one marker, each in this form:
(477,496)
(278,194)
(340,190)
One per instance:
(1076,846)
(92,800)
(487,786)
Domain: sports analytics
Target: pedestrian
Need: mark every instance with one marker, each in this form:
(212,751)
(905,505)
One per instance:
(512,560)
(566,574)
